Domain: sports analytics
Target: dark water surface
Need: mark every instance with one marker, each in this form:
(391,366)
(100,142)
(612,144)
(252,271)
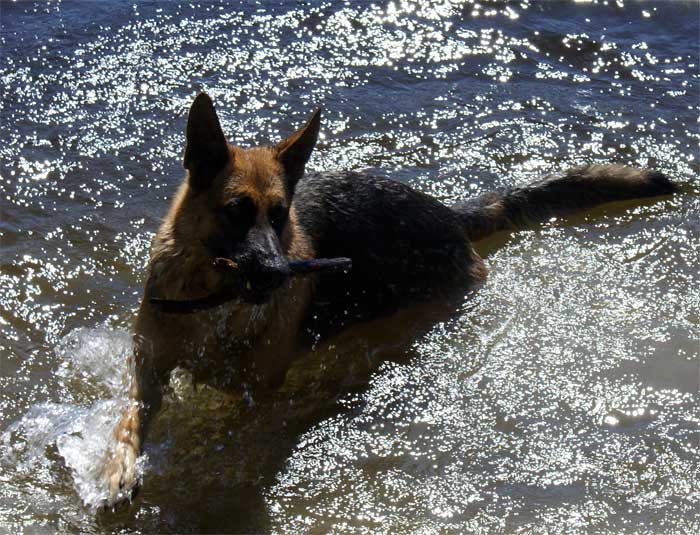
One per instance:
(561,398)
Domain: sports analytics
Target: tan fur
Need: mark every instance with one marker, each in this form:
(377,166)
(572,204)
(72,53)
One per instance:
(258,174)
(181,267)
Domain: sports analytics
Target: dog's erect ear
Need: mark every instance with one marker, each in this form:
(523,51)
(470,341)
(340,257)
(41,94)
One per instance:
(206,150)
(295,151)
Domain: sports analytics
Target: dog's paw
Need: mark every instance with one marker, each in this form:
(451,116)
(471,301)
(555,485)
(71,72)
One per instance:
(120,474)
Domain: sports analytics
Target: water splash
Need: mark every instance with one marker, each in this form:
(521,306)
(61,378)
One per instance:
(76,433)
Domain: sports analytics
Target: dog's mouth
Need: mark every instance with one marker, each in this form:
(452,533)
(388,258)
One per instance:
(254,286)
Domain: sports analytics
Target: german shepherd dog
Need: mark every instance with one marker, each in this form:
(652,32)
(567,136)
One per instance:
(256,209)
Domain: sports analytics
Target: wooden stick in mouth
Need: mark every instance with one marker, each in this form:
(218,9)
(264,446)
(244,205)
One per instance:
(299,267)
(296,267)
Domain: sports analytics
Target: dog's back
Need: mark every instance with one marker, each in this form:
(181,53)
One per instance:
(406,245)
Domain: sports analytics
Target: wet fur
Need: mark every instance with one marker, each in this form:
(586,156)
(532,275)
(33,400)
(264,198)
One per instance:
(405,247)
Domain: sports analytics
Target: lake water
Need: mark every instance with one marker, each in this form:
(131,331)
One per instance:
(562,397)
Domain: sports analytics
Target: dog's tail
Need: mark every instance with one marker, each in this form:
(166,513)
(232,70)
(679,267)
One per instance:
(578,189)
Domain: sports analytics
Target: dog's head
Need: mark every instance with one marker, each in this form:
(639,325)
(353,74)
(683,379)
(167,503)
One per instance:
(237,203)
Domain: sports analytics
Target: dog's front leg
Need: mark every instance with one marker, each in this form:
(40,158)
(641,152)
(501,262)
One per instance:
(145,395)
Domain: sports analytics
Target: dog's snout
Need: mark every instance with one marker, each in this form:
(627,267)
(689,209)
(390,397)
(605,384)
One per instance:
(262,262)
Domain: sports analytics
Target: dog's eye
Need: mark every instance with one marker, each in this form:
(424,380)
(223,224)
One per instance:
(240,212)
(278,217)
